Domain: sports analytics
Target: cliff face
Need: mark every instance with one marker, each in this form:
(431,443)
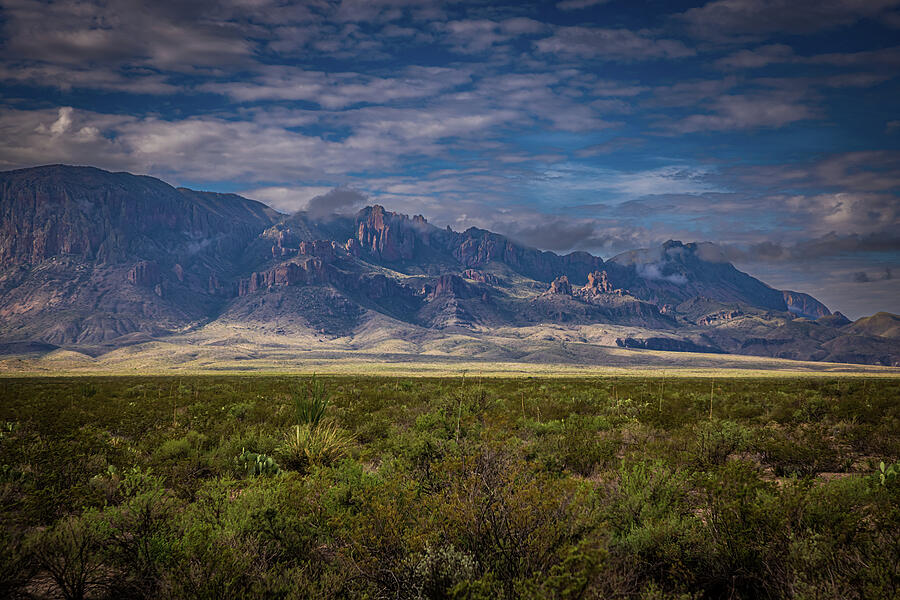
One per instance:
(96,259)
(118,253)
(804,305)
(388,235)
(109,217)
(476,248)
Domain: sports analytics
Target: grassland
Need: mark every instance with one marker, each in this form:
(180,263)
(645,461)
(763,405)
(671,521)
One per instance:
(555,360)
(346,486)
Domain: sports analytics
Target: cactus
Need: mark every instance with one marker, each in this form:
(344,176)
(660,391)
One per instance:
(887,473)
(258,464)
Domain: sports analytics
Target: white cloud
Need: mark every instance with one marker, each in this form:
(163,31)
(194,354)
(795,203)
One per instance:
(746,111)
(339,90)
(611,44)
(287,199)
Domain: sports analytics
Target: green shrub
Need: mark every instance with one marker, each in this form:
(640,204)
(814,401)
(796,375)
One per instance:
(803,451)
(716,440)
(72,554)
(434,573)
(578,444)
(16,567)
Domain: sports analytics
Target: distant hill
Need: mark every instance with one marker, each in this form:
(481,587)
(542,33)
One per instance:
(880,324)
(92,261)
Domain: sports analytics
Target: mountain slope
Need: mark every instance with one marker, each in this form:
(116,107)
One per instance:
(93,260)
(90,256)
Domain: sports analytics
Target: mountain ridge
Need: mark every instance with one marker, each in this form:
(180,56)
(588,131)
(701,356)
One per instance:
(95,260)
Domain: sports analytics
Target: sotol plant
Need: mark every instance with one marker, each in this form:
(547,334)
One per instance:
(313,440)
(324,444)
(310,406)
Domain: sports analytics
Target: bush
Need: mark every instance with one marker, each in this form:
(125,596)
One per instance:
(71,552)
(716,440)
(804,451)
(578,444)
(434,573)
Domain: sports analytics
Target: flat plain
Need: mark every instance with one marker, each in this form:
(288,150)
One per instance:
(650,485)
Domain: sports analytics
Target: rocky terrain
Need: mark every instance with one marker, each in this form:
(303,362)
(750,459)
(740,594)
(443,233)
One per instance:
(94,261)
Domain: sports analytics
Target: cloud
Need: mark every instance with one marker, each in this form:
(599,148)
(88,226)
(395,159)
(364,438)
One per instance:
(691,92)
(830,245)
(864,277)
(567,5)
(883,57)
(731,21)
(339,90)
(757,58)
(338,200)
(168,35)
(287,199)
(63,122)
(614,144)
(555,234)
(475,36)
(610,44)
(65,78)
(746,111)
(654,271)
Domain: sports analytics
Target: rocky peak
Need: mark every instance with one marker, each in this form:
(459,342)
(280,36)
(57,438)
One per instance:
(115,217)
(295,272)
(598,281)
(385,234)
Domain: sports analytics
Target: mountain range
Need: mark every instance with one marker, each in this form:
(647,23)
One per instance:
(94,261)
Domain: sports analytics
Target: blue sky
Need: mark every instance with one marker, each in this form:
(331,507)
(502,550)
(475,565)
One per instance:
(770,127)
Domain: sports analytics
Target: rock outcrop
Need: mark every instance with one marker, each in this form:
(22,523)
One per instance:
(475,248)
(560,286)
(145,274)
(481,277)
(290,273)
(452,285)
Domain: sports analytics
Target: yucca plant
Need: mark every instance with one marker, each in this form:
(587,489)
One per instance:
(307,445)
(310,406)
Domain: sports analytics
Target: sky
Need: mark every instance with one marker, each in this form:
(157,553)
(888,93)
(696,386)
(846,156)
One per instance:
(769,127)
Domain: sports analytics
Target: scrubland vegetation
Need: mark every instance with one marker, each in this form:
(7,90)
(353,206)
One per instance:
(366,487)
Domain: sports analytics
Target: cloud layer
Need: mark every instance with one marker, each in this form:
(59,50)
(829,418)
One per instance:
(766,126)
